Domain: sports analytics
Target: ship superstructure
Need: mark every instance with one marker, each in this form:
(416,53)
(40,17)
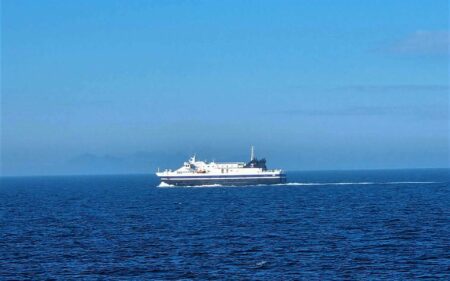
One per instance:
(194,172)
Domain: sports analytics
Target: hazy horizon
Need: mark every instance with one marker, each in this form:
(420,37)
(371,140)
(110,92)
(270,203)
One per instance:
(111,87)
(288,172)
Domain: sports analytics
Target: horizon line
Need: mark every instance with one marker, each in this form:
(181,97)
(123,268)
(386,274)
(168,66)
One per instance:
(153,174)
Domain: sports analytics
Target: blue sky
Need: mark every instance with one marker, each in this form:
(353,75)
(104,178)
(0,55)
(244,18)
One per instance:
(127,86)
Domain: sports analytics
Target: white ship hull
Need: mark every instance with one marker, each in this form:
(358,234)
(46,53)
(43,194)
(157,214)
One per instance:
(249,179)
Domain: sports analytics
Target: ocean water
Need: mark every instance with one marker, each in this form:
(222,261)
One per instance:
(358,225)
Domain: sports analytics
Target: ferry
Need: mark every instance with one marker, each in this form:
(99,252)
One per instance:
(195,173)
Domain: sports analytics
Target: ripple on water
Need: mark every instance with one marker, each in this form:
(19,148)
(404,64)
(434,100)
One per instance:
(321,226)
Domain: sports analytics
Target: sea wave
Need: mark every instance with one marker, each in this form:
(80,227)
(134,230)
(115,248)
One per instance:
(163,184)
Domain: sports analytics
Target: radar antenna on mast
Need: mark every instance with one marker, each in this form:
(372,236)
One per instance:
(252,153)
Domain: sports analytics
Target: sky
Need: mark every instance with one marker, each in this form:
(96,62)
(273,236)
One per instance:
(93,87)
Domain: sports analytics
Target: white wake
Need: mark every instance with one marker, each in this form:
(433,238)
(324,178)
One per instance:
(356,183)
(163,184)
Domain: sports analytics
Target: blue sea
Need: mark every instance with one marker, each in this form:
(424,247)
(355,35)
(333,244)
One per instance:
(336,225)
